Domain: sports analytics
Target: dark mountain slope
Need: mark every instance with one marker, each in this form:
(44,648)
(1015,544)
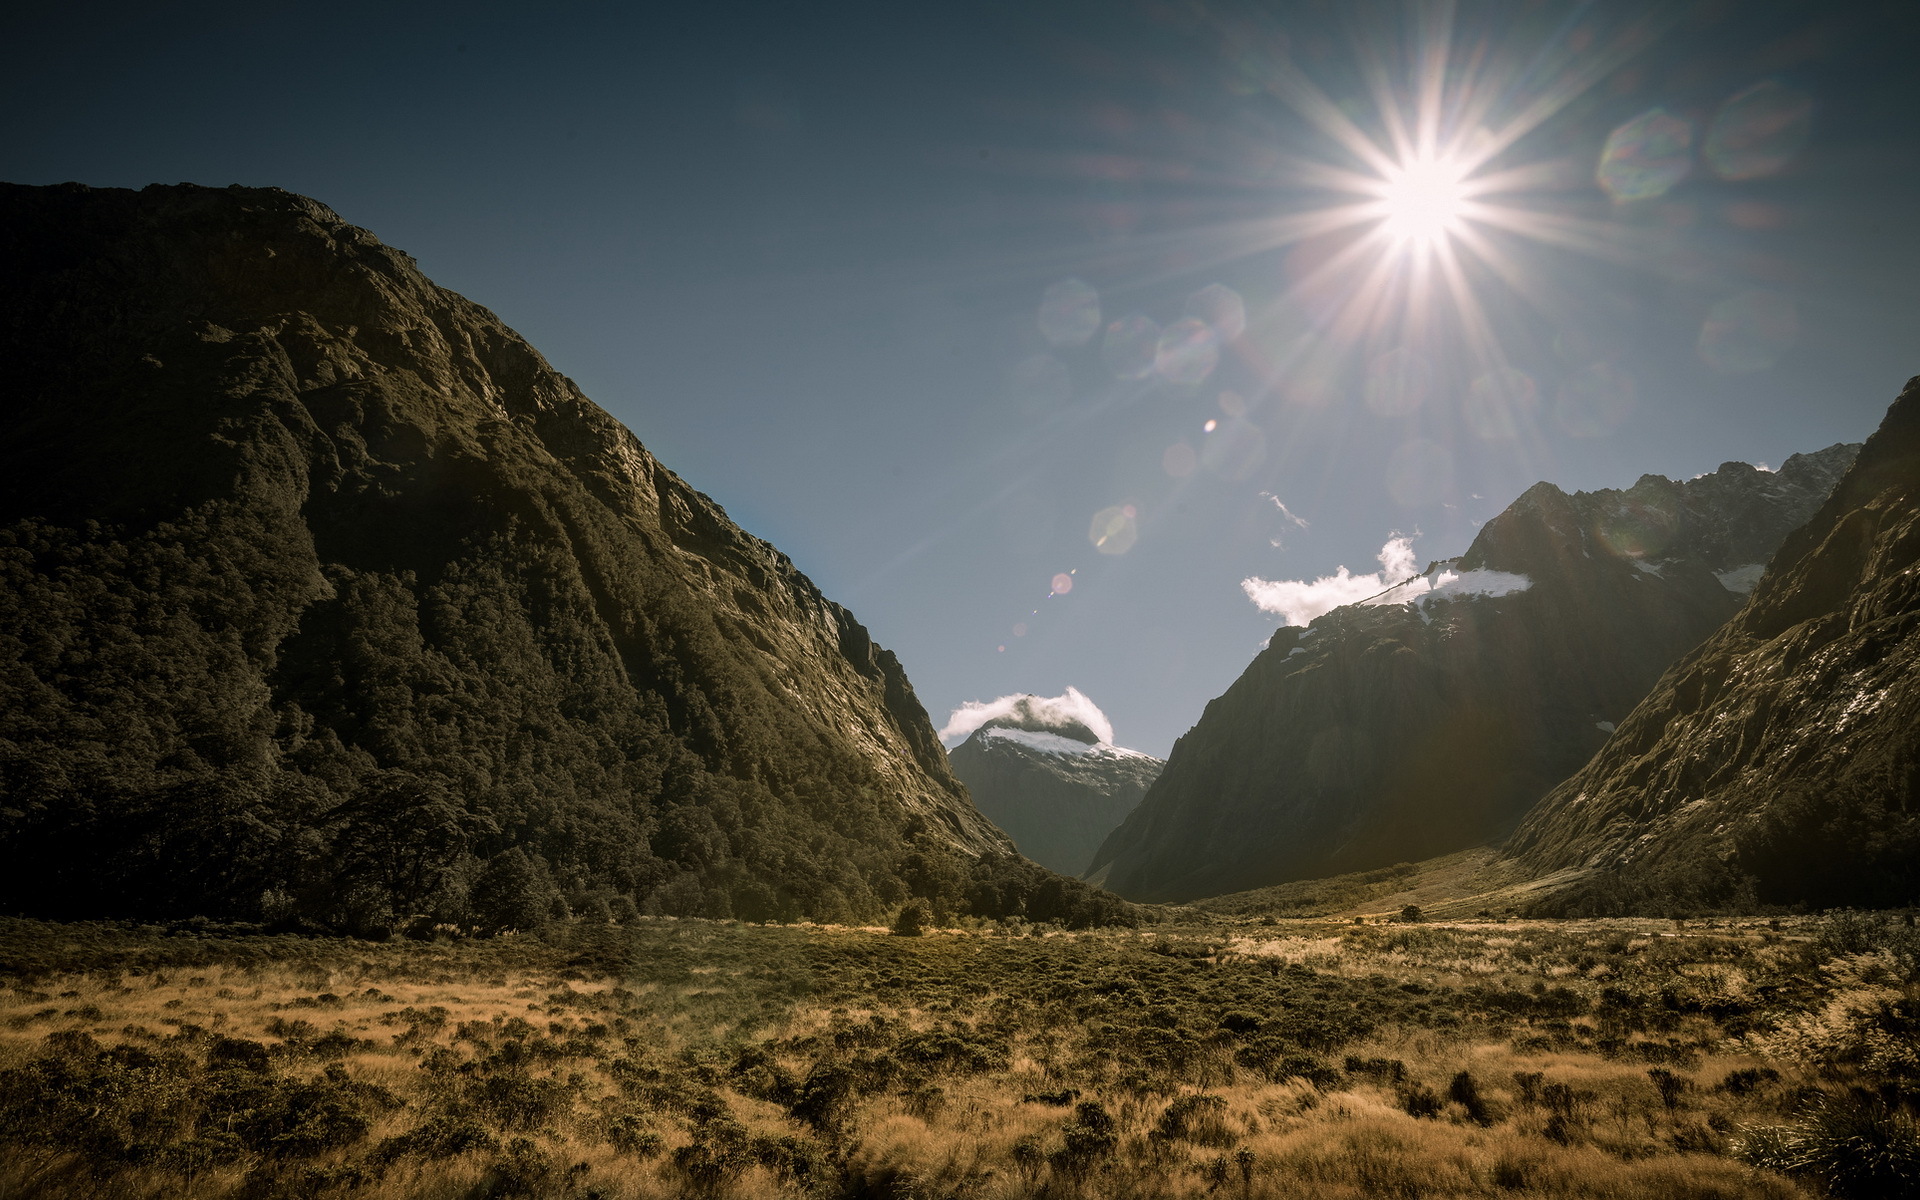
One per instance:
(1780,761)
(322,595)
(1401,731)
(1057,789)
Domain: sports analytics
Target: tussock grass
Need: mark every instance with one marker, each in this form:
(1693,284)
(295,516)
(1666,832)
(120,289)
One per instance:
(690,1058)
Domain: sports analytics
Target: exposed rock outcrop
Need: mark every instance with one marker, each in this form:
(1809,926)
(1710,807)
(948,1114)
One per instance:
(1778,762)
(1431,720)
(322,594)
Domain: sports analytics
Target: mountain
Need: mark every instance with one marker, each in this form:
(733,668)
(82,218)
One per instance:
(324,599)
(1051,782)
(1779,762)
(1431,718)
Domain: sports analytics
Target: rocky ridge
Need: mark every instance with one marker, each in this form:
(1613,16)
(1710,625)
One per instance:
(1778,762)
(1397,731)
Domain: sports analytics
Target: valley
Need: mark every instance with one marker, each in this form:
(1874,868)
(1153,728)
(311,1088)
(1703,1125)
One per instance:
(410,787)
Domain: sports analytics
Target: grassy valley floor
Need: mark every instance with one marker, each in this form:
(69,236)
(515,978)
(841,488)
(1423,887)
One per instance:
(1263,1058)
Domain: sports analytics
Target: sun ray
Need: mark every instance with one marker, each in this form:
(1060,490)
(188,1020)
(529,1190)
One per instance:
(1430,184)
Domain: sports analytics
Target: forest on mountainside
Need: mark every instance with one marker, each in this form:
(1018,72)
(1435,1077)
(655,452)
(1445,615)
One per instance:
(325,603)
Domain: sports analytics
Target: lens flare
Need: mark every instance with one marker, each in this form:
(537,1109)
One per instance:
(1114,530)
(1434,184)
(1646,157)
(1187,352)
(1221,308)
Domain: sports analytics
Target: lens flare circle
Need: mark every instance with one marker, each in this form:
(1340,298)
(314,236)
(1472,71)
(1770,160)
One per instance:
(1114,530)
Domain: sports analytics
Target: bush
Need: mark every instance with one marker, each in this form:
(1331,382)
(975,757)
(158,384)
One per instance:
(1200,1119)
(913,919)
(1090,1137)
(442,1136)
(1419,1100)
(1465,1092)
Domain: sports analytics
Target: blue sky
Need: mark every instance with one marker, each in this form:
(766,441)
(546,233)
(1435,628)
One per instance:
(803,252)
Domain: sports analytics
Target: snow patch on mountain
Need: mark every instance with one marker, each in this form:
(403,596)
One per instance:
(1053,743)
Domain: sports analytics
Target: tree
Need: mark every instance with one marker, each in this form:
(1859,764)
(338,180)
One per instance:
(400,837)
(511,893)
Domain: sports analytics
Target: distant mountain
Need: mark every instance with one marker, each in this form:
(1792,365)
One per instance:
(1053,785)
(1780,761)
(324,598)
(1432,718)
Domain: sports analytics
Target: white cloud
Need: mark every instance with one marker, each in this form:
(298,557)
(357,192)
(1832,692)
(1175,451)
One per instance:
(1058,712)
(1286,512)
(1280,543)
(1397,561)
(1298,602)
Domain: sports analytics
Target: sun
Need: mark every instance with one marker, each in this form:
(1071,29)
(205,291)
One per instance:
(1423,201)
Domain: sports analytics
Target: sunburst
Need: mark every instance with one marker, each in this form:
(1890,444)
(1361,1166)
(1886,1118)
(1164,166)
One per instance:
(1429,197)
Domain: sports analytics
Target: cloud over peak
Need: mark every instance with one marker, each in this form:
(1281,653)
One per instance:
(1299,601)
(1067,714)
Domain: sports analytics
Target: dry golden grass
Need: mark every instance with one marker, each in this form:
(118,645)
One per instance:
(686,1067)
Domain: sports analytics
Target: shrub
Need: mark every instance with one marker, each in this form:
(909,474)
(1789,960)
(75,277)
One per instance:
(1090,1137)
(628,1133)
(1419,1100)
(1465,1092)
(1200,1119)
(1670,1086)
(1747,1079)
(444,1135)
(1385,1070)
(521,1170)
(825,1095)
(514,1101)
(913,919)
(1848,932)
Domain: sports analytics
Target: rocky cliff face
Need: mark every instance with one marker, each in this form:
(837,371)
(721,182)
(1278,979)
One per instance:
(1780,760)
(322,593)
(1431,720)
(1058,792)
